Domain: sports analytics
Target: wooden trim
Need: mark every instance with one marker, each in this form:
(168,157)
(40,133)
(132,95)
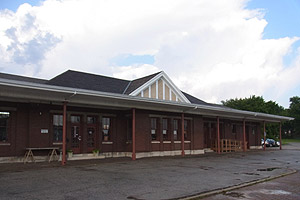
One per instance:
(218,134)
(63,161)
(182,134)
(107,142)
(156,89)
(57,143)
(265,136)
(4,144)
(98,114)
(164,77)
(3,108)
(169,116)
(280,136)
(155,142)
(133,135)
(164,90)
(244,136)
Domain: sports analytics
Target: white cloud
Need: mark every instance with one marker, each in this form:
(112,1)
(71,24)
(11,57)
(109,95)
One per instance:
(211,49)
(133,72)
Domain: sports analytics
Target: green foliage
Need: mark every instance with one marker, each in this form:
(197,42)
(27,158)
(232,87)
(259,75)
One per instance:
(96,151)
(255,104)
(294,111)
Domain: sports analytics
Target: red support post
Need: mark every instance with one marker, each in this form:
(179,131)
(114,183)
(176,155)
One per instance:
(280,135)
(218,130)
(244,135)
(133,135)
(182,134)
(63,161)
(265,136)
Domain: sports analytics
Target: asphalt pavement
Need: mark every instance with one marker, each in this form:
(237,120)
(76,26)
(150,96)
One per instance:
(286,188)
(148,178)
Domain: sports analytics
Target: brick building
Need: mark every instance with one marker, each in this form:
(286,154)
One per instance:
(144,117)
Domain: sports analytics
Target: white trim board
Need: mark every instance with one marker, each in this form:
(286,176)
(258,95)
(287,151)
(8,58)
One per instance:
(166,81)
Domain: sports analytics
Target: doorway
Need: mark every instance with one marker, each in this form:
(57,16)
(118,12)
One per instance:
(76,134)
(91,131)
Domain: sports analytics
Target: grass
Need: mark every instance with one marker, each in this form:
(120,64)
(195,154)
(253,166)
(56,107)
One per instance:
(286,141)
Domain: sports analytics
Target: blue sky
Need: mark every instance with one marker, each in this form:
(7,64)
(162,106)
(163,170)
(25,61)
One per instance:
(283,17)
(14,4)
(217,55)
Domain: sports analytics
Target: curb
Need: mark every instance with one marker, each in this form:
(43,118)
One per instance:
(218,191)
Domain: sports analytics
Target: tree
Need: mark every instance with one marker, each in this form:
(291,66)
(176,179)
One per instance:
(294,111)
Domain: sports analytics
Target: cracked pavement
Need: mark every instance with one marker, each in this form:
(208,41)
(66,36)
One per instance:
(148,178)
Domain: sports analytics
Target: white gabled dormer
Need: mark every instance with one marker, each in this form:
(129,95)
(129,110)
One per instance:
(160,87)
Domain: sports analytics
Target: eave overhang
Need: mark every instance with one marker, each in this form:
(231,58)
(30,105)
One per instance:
(34,92)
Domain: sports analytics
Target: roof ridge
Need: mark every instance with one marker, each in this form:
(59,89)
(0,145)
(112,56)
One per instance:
(93,74)
(147,76)
(21,76)
(127,87)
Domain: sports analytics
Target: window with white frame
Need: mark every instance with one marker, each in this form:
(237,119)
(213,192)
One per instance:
(4,119)
(57,128)
(175,129)
(106,129)
(165,128)
(186,130)
(154,129)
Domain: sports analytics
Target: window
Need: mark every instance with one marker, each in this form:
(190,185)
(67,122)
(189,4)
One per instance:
(106,128)
(90,137)
(75,119)
(153,129)
(4,117)
(175,127)
(91,131)
(91,120)
(253,130)
(165,128)
(185,129)
(129,129)
(234,128)
(57,128)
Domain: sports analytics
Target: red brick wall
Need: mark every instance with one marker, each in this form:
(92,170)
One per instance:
(143,137)
(27,120)
(22,131)
(38,119)
(198,133)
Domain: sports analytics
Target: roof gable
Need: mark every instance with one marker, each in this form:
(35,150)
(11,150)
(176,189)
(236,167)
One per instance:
(135,84)
(160,86)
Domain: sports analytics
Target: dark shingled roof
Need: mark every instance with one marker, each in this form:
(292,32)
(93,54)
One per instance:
(82,80)
(22,78)
(88,81)
(134,84)
(193,99)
